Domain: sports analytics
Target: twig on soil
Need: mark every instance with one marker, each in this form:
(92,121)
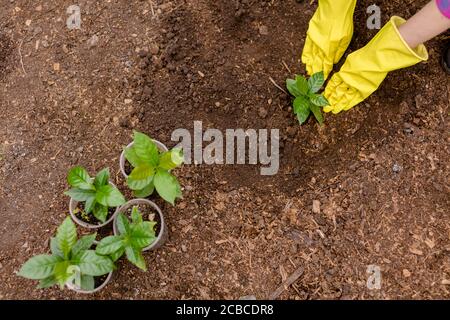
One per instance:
(286,284)
(286,66)
(151,7)
(21,58)
(276,85)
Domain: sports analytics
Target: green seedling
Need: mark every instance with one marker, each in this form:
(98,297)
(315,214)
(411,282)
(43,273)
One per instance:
(70,261)
(151,169)
(97,194)
(133,237)
(307,99)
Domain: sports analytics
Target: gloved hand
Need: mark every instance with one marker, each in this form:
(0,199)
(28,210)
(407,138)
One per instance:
(365,69)
(329,34)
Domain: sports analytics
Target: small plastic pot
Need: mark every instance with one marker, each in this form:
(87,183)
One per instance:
(73,204)
(72,287)
(163,232)
(161,147)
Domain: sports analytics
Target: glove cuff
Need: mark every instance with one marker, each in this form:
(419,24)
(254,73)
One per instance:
(420,52)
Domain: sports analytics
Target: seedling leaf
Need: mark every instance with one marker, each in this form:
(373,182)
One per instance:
(145,148)
(319,100)
(301,109)
(39,267)
(167,186)
(317,113)
(66,237)
(316,82)
(302,84)
(109,196)
(93,264)
(78,177)
(292,87)
(101,178)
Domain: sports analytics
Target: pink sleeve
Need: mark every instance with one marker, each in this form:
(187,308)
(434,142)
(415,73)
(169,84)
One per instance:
(444,7)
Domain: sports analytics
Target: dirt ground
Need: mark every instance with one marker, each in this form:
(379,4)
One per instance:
(379,171)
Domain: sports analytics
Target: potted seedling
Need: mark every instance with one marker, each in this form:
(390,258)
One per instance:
(131,237)
(147,167)
(93,201)
(150,212)
(72,263)
(307,99)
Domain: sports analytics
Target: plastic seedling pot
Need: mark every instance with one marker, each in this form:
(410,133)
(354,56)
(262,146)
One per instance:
(71,286)
(73,204)
(161,147)
(162,236)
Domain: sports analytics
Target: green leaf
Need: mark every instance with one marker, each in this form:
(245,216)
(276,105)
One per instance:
(39,267)
(132,157)
(142,235)
(109,196)
(84,243)
(316,82)
(301,109)
(87,282)
(302,85)
(292,87)
(136,216)
(141,177)
(80,194)
(116,255)
(90,204)
(100,212)
(93,264)
(317,113)
(47,282)
(109,245)
(102,178)
(135,257)
(123,225)
(78,177)
(319,100)
(61,273)
(167,186)
(66,236)
(54,247)
(145,149)
(171,159)
(144,193)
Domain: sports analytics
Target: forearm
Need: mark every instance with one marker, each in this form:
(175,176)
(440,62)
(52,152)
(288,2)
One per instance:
(337,5)
(424,25)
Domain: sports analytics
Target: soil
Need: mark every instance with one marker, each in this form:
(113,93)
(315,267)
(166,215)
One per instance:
(100,280)
(90,218)
(378,175)
(128,168)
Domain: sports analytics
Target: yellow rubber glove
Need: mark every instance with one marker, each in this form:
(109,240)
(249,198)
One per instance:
(365,69)
(329,34)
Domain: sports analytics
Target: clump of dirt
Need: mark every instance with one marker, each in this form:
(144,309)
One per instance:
(6,49)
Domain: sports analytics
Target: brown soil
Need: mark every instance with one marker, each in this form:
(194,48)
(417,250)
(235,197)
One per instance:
(380,171)
(128,167)
(98,281)
(89,217)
